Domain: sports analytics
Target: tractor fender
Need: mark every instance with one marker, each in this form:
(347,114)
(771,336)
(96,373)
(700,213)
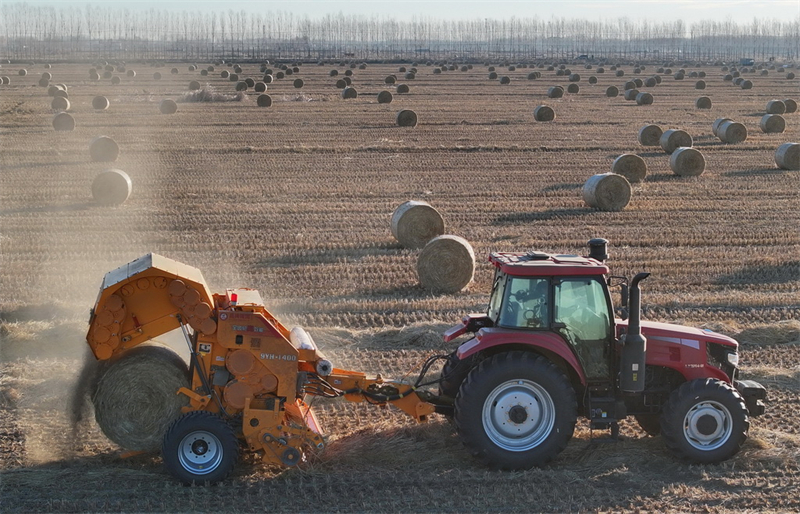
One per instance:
(547,342)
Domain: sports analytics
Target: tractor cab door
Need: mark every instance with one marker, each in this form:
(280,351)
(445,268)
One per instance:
(582,316)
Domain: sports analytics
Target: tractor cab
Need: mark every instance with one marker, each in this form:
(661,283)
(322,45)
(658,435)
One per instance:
(565,294)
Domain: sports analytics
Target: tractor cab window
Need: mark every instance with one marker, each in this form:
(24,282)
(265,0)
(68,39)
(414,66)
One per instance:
(582,307)
(525,303)
(496,300)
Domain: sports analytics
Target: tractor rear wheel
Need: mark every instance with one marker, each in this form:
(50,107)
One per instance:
(515,410)
(200,447)
(705,421)
(454,372)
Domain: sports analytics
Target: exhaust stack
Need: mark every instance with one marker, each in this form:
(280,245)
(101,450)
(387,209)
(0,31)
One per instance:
(634,349)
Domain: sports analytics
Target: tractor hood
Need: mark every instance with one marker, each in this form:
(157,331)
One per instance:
(687,336)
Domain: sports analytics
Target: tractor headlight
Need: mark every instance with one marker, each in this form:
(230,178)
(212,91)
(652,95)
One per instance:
(733,359)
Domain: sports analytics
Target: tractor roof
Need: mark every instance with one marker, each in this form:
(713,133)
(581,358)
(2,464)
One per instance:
(543,264)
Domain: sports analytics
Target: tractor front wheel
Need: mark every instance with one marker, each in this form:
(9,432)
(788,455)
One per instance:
(705,421)
(200,447)
(515,410)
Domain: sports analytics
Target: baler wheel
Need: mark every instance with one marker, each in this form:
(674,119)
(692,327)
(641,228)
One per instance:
(705,421)
(515,410)
(200,447)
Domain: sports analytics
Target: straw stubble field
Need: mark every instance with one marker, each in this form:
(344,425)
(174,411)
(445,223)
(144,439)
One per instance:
(296,199)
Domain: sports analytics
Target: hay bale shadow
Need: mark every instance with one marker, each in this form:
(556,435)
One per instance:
(754,172)
(762,274)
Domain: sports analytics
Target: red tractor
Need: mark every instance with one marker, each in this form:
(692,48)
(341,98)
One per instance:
(550,349)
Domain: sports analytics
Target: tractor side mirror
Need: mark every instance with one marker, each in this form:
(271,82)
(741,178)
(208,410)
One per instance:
(623,293)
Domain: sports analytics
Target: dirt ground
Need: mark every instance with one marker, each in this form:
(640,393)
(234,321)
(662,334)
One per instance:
(296,199)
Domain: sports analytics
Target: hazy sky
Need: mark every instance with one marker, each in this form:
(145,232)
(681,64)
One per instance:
(740,11)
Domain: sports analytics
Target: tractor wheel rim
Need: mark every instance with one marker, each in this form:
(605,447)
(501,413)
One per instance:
(518,415)
(200,452)
(708,425)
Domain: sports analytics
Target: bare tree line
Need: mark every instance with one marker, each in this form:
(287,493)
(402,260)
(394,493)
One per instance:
(109,32)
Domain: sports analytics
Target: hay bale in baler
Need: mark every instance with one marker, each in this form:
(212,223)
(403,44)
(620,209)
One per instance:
(649,135)
(630,166)
(607,192)
(787,156)
(415,222)
(103,149)
(673,139)
(407,118)
(111,187)
(446,264)
(772,124)
(544,113)
(135,399)
(63,122)
(687,162)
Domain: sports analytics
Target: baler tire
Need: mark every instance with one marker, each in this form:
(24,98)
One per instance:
(649,423)
(498,389)
(705,421)
(200,448)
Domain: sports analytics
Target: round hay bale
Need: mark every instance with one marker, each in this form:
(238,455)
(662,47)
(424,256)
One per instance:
(210,68)
(402,88)
(573,88)
(601,70)
(116,80)
(630,166)
(94,76)
(348,81)
(224,74)
(544,113)
(51,90)
(156,76)
(555,92)
(414,223)
(194,85)
(776,107)
(638,82)
(298,83)
(103,149)
(650,135)
(63,122)
(658,78)
(264,100)
(630,94)
(174,71)
(679,76)
(700,84)
(204,73)
(407,118)
(250,82)
(790,76)
(22,73)
(787,156)
(687,162)
(135,399)
(505,80)
(731,132)
(790,105)
(349,92)
(341,84)
(673,139)
(61,92)
(390,79)
(574,77)
(168,106)
(629,85)
(620,73)
(607,192)
(446,264)
(493,75)
(592,80)
(234,77)
(717,123)
(385,97)
(703,102)
(772,124)
(410,76)
(43,82)
(100,103)
(5,80)
(644,99)
(241,86)
(60,103)
(650,82)
(130,73)
(260,87)
(437,71)
(111,187)
(612,91)
(727,78)
(746,84)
